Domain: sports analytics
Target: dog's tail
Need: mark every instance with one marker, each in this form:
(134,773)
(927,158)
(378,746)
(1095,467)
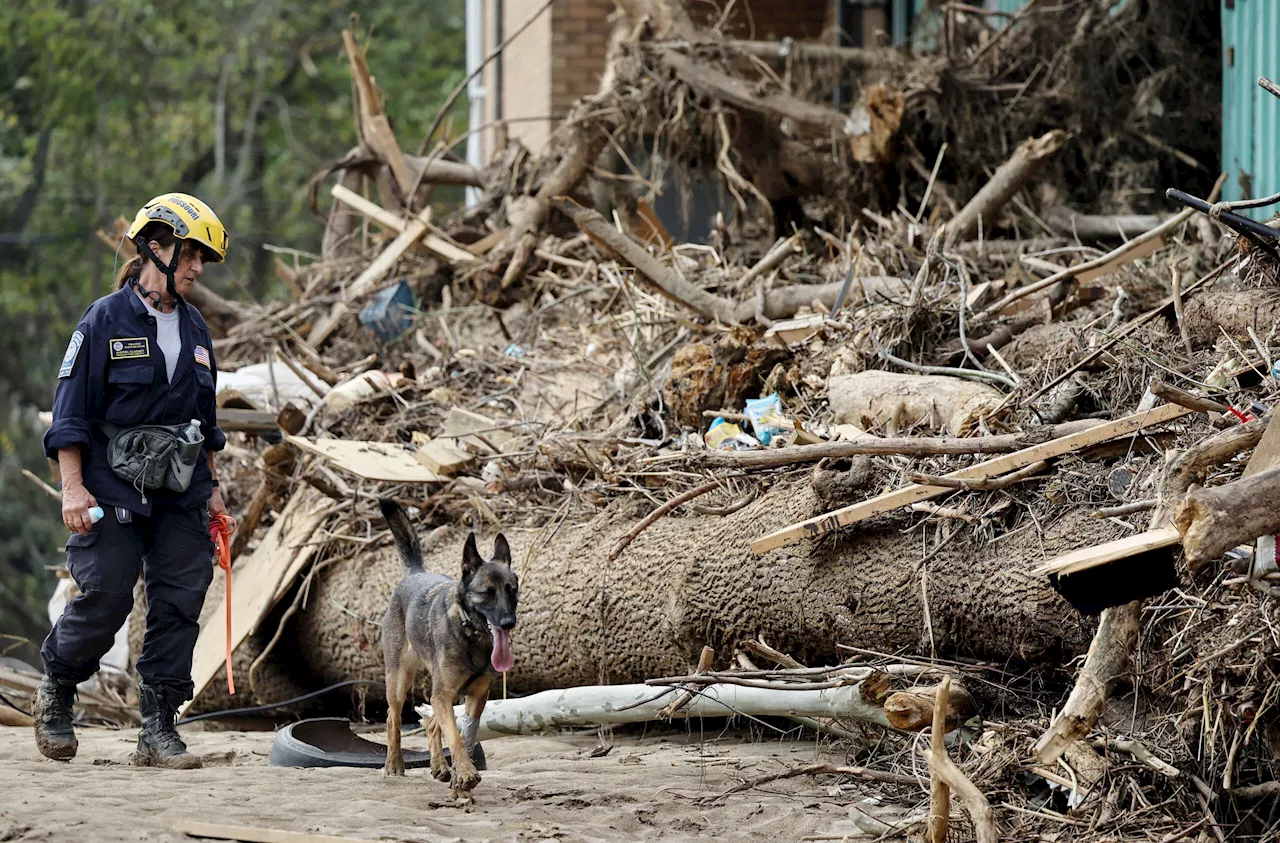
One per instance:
(406,537)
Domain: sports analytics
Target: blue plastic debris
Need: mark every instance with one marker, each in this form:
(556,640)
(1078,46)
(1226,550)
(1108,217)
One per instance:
(390,312)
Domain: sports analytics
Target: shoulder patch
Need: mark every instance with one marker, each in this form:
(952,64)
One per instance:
(202,356)
(130,348)
(73,351)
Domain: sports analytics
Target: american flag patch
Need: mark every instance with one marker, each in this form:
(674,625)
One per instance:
(202,356)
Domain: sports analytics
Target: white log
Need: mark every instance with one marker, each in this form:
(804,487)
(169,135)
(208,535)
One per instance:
(600,704)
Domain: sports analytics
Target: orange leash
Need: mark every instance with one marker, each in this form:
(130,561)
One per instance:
(220,529)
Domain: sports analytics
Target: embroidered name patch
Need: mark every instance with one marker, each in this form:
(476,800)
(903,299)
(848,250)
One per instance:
(130,348)
(73,351)
(202,356)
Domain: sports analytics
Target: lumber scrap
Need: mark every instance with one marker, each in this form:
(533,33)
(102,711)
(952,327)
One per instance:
(1008,180)
(394,222)
(907,495)
(1101,554)
(374,127)
(370,460)
(258,582)
(660,278)
(246,421)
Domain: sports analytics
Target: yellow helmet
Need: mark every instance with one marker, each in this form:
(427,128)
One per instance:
(189,218)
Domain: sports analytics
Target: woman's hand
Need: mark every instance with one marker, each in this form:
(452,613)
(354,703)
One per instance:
(216,506)
(76,502)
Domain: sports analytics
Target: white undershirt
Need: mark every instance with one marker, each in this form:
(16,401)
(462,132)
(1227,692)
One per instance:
(168,337)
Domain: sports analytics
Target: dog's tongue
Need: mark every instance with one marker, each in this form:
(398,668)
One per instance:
(501,658)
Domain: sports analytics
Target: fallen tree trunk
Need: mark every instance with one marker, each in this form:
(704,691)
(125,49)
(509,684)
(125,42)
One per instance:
(1212,521)
(692,581)
(608,704)
(1101,227)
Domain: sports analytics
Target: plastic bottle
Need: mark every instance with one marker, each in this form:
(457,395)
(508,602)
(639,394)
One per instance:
(95,514)
(187,455)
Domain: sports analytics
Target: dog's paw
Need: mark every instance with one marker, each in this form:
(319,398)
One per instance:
(394,767)
(464,781)
(440,770)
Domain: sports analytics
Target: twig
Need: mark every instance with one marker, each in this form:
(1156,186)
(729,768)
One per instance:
(940,764)
(986,484)
(922,277)
(659,512)
(933,177)
(771,261)
(822,770)
(971,374)
(1111,260)
(1128,329)
(1170,393)
(1125,509)
(1140,754)
(939,792)
(54,493)
(1176,286)
(1256,791)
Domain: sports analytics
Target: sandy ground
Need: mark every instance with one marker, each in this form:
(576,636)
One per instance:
(536,788)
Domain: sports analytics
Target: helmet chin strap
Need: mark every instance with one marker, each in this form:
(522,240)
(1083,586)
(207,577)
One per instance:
(170,269)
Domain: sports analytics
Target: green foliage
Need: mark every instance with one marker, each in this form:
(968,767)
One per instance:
(104,105)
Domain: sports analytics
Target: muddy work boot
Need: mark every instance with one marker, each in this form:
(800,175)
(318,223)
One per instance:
(51,710)
(158,742)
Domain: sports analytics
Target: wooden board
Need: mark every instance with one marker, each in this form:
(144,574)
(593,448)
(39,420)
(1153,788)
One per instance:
(230,419)
(444,457)
(370,460)
(384,262)
(461,422)
(393,222)
(989,468)
(253,834)
(258,583)
(1101,554)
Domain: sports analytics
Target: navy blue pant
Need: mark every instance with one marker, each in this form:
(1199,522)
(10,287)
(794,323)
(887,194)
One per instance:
(173,552)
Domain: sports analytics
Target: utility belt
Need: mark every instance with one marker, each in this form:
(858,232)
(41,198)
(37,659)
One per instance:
(154,456)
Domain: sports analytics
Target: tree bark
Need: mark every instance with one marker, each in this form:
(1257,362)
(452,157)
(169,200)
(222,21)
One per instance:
(1233,311)
(1212,521)
(692,581)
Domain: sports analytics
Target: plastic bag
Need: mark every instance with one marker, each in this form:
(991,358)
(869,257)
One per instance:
(765,416)
(723,436)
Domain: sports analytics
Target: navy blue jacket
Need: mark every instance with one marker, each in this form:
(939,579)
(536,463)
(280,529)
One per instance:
(114,371)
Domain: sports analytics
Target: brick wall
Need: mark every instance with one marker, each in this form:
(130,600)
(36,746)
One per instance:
(579,37)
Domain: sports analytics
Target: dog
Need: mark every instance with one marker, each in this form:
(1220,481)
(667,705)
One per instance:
(460,631)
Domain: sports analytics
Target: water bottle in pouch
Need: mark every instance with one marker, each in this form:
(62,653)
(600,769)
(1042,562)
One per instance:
(190,444)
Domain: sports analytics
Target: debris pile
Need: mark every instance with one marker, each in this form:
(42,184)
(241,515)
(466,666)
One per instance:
(897,324)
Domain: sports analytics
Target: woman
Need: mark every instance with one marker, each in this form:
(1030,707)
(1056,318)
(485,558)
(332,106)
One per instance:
(138,372)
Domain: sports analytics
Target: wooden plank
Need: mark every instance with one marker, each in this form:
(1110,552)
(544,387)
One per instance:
(444,457)
(989,468)
(254,834)
(1267,454)
(258,583)
(1139,251)
(459,423)
(1091,557)
(383,263)
(393,222)
(371,460)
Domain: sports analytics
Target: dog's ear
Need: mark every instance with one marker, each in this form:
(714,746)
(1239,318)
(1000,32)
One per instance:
(502,550)
(471,560)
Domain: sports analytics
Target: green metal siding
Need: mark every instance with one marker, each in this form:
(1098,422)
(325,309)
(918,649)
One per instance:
(1250,115)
